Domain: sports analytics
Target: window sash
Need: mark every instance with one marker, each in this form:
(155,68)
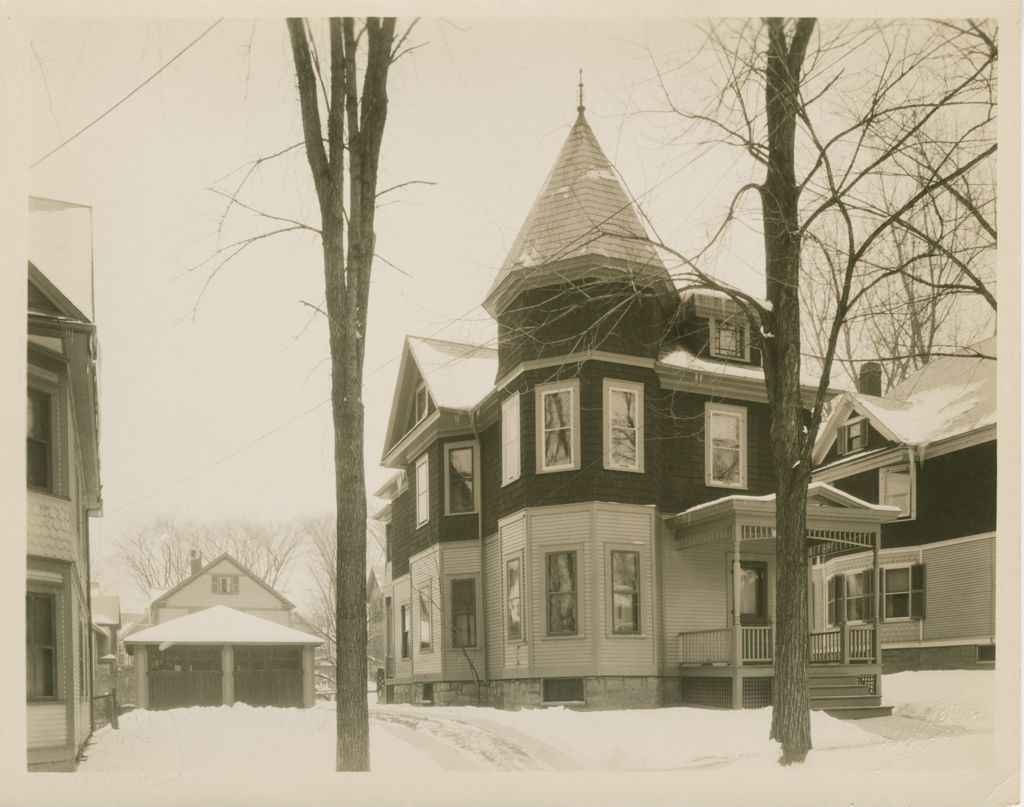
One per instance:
(562,593)
(424,620)
(461,482)
(39,439)
(513,598)
(896,477)
(558,435)
(404,625)
(726,452)
(422,491)
(41,645)
(624,428)
(510,450)
(464,613)
(625,591)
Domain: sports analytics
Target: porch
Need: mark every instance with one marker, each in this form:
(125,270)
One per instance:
(732,665)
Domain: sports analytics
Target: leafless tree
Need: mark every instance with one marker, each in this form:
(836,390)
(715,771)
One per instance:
(834,117)
(157,552)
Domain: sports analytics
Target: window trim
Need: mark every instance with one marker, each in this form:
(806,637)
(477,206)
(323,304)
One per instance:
(577,591)
(610,385)
(475,454)
(461,578)
(428,592)
(511,411)
(843,435)
(233,584)
(521,638)
(56,597)
(641,618)
(710,410)
(883,585)
(714,323)
(422,490)
(911,468)
(405,630)
(571,385)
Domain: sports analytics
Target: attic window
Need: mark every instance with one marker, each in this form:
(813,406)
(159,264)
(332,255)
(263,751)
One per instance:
(422,402)
(729,340)
(852,436)
(225,584)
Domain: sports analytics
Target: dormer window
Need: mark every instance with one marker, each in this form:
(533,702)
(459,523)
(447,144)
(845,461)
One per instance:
(729,339)
(422,402)
(852,436)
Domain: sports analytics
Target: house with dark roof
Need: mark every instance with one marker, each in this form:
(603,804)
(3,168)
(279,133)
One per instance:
(927,447)
(63,491)
(219,637)
(583,512)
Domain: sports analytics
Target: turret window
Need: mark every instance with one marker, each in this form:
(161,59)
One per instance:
(558,435)
(623,425)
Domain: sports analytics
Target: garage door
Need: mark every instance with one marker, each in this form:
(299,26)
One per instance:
(268,676)
(185,675)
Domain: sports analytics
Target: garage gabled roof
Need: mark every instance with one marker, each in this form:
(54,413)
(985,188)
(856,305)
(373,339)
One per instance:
(220,624)
(162,598)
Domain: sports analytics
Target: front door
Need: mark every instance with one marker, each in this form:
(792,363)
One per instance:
(753,592)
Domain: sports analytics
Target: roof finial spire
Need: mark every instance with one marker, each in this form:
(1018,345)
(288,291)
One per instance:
(580,108)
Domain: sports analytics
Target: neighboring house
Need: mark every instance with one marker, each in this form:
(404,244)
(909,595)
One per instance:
(375,646)
(219,637)
(106,622)
(63,484)
(583,514)
(927,447)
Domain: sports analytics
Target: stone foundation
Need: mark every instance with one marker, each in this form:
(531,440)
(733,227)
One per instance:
(602,692)
(960,657)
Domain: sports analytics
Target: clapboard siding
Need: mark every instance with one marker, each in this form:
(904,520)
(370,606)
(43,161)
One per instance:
(632,530)
(662,537)
(960,590)
(400,597)
(425,572)
(462,559)
(47,726)
(560,529)
(494,650)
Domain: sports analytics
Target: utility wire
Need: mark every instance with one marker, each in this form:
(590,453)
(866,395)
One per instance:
(173,59)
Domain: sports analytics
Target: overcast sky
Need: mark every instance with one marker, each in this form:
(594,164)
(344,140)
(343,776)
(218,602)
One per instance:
(222,412)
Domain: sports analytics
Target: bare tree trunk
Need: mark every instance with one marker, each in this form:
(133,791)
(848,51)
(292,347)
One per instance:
(347,264)
(791,724)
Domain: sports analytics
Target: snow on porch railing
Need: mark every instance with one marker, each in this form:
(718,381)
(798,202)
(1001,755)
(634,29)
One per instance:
(705,646)
(758,644)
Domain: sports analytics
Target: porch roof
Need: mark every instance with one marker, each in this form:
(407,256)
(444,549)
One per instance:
(222,625)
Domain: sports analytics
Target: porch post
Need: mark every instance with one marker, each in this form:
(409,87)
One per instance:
(737,628)
(141,677)
(875,634)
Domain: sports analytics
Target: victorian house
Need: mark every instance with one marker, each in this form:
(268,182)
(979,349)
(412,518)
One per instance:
(583,514)
(928,447)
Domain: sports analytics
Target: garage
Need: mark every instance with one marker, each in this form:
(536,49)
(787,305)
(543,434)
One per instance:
(222,656)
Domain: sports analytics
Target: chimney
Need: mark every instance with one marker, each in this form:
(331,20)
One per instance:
(197,561)
(870,378)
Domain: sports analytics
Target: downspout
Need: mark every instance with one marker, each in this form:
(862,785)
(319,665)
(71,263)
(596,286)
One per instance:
(480,545)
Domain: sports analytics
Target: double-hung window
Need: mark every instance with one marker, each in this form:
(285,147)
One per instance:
(510,451)
(852,436)
(464,612)
(729,339)
(903,592)
(39,439)
(561,593)
(623,425)
(424,597)
(514,598)
(851,597)
(625,592)
(725,446)
(895,488)
(422,490)
(403,613)
(225,583)
(459,477)
(558,438)
(41,645)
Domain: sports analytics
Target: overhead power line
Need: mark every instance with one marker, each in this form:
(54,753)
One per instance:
(92,123)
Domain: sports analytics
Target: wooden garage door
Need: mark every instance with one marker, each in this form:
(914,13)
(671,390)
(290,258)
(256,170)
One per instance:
(185,675)
(268,676)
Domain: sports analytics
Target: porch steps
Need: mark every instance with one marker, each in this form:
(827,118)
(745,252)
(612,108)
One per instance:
(844,696)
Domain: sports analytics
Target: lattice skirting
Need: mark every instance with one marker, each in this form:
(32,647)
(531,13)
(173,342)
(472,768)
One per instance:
(757,692)
(870,681)
(708,691)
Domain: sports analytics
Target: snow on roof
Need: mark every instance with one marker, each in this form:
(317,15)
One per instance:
(683,359)
(221,625)
(948,396)
(813,489)
(458,375)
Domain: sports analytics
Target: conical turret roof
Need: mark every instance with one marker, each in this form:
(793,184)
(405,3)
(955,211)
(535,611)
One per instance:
(583,211)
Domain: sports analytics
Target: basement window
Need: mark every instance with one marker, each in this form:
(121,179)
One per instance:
(564,690)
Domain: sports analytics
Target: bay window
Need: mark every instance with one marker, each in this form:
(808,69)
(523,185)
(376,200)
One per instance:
(459,478)
(514,598)
(625,592)
(464,612)
(558,426)
(561,593)
(422,491)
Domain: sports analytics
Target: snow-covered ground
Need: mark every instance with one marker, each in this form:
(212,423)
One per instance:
(941,720)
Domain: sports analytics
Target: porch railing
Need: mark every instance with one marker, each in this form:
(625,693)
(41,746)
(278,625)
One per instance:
(849,643)
(715,646)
